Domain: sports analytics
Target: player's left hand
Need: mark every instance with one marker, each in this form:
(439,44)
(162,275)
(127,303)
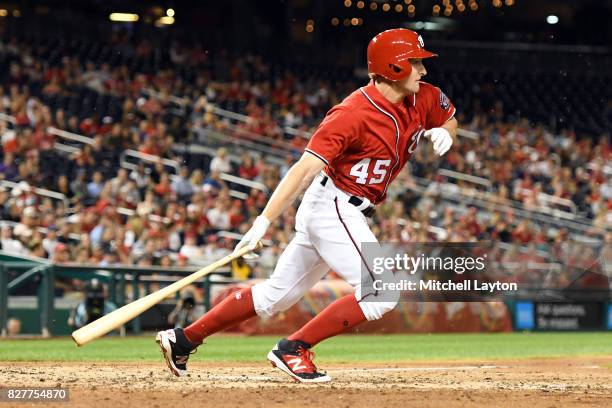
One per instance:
(441,139)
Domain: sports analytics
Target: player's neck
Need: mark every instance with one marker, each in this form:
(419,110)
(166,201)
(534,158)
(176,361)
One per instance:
(391,93)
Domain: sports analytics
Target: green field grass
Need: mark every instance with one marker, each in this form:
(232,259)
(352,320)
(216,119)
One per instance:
(387,348)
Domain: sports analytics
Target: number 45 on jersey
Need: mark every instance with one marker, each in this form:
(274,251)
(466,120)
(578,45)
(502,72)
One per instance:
(360,171)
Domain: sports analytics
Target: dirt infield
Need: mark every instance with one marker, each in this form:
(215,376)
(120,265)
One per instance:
(582,382)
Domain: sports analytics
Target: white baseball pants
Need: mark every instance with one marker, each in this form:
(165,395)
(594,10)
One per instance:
(329,234)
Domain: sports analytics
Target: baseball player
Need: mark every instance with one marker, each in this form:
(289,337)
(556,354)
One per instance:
(358,149)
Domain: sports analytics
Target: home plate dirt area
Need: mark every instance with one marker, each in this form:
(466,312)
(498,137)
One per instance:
(524,383)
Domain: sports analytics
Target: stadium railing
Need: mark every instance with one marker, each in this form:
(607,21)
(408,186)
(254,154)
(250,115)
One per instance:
(477,181)
(233,117)
(125,283)
(43,192)
(29,267)
(130,153)
(460,199)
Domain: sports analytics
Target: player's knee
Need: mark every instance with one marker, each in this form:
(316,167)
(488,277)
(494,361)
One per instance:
(273,307)
(375,306)
(269,301)
(375,310)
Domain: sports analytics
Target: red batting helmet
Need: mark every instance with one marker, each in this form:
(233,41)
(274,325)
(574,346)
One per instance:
(390,51)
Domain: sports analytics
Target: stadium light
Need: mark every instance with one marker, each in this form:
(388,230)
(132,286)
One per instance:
(552,19)
(166,20)
(170,12)
(426,25)
(310,26)
(123,17)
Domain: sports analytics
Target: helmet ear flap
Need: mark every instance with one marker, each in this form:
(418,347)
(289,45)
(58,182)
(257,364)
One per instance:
(397,69)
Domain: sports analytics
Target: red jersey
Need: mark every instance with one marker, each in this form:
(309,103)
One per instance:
(366,140)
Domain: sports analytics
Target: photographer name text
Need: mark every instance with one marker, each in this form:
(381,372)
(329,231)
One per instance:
(436,285)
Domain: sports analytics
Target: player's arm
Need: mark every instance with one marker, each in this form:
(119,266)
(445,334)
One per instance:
(337,131)
(440,122)
(451,127)
(291,186)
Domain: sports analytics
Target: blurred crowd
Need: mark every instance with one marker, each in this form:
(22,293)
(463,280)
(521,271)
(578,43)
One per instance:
(150,214)
(528,165)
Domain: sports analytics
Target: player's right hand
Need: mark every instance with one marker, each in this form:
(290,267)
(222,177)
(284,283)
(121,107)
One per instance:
(253,236)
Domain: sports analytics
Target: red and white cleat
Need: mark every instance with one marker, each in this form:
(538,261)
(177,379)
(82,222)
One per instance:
(295,358)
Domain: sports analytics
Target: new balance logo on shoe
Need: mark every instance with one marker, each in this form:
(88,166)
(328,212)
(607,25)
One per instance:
(182,359)
(296,364)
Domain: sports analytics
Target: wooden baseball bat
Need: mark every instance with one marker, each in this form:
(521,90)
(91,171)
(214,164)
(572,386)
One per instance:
(116,318)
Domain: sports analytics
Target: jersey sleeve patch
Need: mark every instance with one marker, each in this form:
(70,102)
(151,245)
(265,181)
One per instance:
(444,101)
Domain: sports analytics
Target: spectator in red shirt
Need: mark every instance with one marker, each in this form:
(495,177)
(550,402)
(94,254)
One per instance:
(247,169)
(522,233)
(236,215)
(163,188)
(149,146)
